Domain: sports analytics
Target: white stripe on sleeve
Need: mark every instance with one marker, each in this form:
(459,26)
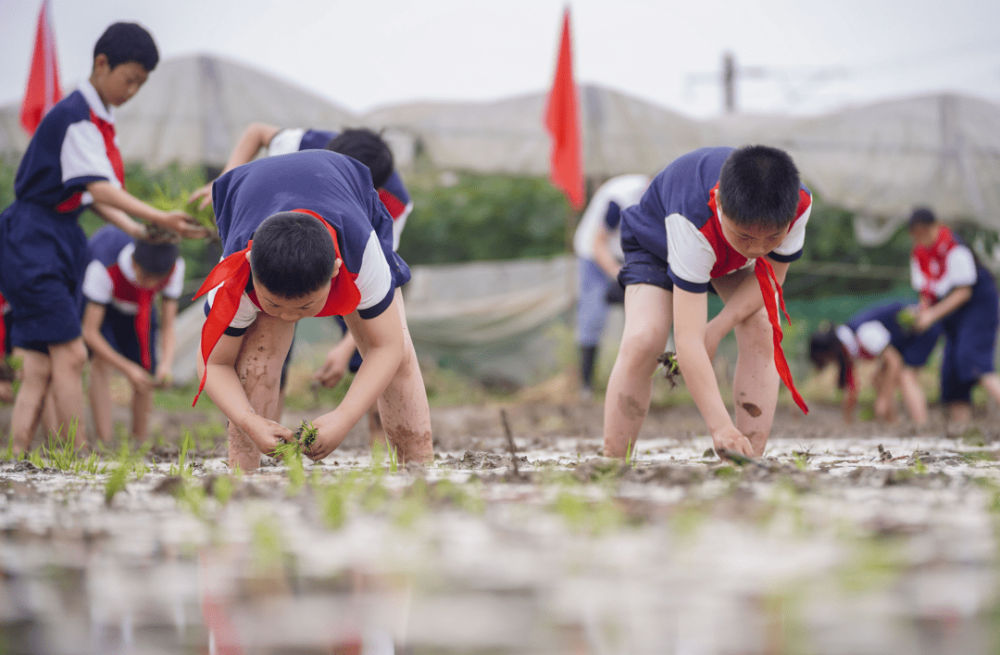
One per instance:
(83,154)
(97,285)
(374,279)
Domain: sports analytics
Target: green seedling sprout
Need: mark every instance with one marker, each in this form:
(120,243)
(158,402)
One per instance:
(907,318)
(671,369)
(306,435)
(163,200)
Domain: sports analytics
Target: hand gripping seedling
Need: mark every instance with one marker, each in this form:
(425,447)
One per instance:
(671,370)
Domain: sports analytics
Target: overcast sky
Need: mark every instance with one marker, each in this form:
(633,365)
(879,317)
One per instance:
(806,56)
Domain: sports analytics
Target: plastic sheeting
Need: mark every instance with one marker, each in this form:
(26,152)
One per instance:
(488,319)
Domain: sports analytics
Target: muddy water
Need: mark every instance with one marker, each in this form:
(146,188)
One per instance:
(829,545)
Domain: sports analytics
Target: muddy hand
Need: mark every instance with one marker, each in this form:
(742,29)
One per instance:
(732,441)
(268,434)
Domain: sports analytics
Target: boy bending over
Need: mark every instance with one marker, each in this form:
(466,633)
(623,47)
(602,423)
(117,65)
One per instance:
(719,217)
(120,320)
(305,234)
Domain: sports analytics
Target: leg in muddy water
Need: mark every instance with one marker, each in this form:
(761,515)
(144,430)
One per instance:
(66,387)
(648,314)
(887,380)
(258,366)
(913,396)
(142,405)
(959,414)
(99,392)
(406,415)
(991,382)
(36,372)
(755,383)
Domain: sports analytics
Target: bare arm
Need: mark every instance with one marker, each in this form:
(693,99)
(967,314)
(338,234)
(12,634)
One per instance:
(743,303)
(93,317)
(338,359)
(690,312)
(225,389)
(939,310)
(167,340)
(886,383)
(254,137)
(120,219)
(382,340)
(602,252)
(105,193)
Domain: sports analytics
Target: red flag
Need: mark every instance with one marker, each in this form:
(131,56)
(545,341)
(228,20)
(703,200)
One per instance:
(43,79)
(563,123)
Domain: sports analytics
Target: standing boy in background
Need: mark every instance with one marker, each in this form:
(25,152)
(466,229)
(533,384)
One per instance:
(598,247)
(958,292)
(321,246)
(120,324)
(719,217)
(876,334)
(71,163)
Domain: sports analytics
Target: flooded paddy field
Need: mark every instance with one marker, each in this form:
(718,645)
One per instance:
(843,539)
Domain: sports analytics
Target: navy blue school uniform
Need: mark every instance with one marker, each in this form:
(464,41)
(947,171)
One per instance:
(673,236)
(868,333)
(129,325)
(336,188)
(393,193)
(43,249)
(971,331)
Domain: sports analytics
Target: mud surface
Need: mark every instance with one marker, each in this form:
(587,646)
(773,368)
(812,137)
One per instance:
(842,539)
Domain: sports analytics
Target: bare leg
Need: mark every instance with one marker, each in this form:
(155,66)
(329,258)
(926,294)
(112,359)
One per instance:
(913,396)
(50,420)
(35,376)
(142,405)
(959,414)
(68,360)
(991,382)
(886,382)
(100,398)
(755,383)
(259,368)
(648,315)
(406,416)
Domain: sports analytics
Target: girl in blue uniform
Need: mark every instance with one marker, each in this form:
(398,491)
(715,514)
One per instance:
(876,334)
(305,234)
(959,293)
(71,163)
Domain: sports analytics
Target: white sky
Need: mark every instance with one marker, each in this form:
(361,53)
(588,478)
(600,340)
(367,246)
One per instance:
(366,53)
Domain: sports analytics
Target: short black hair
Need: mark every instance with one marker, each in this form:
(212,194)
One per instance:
(292,254)
(125,42)
(367,147)
(156,258)
(759,186)
(922,216)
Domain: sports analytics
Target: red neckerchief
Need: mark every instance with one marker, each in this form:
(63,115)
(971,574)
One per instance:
(769,287)
(233,273)
(932,260)
(125,289)
(107,131)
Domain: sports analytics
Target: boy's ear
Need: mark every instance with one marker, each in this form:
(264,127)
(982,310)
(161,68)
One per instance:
(101,63)
(248,256)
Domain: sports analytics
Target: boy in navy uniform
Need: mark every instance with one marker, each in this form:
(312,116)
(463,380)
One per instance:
(368,148)
(958,292)
(120,324)
(71,163)
(876,334)
(732,219)
(305,234)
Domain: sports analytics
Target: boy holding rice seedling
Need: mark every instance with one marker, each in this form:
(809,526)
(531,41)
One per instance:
(71,163)
(884,333)
(729,219)
(958,293)
(305,234)
(367,147)
(120,324)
